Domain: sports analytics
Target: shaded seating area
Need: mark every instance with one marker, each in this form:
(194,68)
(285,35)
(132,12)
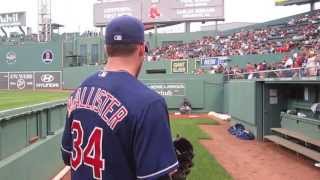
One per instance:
(299,131)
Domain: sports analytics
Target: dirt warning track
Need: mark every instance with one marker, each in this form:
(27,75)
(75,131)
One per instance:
(252,160)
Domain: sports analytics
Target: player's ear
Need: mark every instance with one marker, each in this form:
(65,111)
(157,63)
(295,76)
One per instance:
(141,50)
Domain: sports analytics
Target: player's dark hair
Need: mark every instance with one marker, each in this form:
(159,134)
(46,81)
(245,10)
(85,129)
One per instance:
(120,50)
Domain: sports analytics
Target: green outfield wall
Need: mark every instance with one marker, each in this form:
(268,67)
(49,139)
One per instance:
(81,50)
(73,76)
(28,56)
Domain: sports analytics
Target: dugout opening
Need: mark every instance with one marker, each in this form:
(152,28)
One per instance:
(288,105)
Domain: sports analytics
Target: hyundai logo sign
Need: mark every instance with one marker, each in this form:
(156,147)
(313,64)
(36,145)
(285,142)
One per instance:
(47,78)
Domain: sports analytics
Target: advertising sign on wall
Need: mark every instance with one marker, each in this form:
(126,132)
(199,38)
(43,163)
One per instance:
(47,80)
(21,80)
(168,89)
(30,80)
(179,66)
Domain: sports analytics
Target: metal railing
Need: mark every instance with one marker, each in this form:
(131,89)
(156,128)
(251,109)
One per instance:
(289,73)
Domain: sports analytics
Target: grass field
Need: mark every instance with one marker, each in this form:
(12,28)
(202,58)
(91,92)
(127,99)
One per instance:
(206,167)
(14,99)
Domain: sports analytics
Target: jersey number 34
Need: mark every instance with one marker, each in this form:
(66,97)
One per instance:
(91,154)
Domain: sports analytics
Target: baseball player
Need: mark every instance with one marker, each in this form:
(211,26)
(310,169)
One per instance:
(116,127)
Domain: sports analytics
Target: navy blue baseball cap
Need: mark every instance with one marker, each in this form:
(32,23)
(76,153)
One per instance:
(125,30)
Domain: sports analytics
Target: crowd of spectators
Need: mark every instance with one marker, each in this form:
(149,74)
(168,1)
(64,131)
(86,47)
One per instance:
(300,31)
(301,64)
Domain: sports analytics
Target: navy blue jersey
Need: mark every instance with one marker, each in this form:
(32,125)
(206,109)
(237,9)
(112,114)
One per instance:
(117,129)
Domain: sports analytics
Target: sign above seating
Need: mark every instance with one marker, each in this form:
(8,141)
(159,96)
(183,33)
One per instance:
(13,19)
(293,2)
(179,66)
(214,61)
(159,11)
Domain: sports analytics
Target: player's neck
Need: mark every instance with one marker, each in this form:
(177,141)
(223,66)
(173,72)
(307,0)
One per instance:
(122,64)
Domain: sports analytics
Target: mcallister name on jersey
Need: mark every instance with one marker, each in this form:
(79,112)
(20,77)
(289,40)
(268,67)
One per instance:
(100,101)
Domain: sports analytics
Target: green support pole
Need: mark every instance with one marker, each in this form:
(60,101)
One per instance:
(101,56)
(187,31)
(312,6)
(187,27)
(156,35)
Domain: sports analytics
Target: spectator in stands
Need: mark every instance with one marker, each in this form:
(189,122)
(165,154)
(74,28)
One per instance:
(212,70)
(296,33)
(250,70)
(288,63)
(199,71)
(300,32)
(311,64)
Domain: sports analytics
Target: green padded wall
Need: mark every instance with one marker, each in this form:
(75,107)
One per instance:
(205,92)
(23,159)
(73,76)
(40,161)
(255,59)
(243,101)
(15,128)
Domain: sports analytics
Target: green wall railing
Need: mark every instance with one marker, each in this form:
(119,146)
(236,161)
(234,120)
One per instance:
(29,141)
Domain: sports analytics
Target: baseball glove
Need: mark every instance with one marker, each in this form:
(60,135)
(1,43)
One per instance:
(185,154)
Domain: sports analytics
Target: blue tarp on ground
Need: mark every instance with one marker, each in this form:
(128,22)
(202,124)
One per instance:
(240,132)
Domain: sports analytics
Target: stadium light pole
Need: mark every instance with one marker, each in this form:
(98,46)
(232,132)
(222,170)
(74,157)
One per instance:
(312,5)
